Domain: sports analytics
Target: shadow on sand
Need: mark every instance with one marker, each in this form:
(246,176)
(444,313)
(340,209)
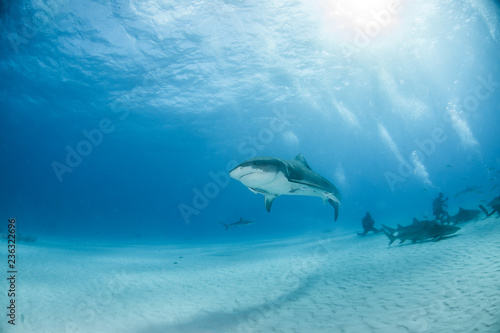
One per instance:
(244,319)
(430,240)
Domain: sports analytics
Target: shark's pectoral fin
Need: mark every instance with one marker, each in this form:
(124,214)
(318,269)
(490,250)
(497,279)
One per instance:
(269,198)
(336,206)
(253,190)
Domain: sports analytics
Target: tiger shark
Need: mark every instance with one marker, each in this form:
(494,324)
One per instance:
(272,177)
(419,231)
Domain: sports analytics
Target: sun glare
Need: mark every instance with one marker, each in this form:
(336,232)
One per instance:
(349,17)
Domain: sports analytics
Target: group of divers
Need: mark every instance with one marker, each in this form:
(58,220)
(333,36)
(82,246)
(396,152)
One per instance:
(273,177)
(443,225)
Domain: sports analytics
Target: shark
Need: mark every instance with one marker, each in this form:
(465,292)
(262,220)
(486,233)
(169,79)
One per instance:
(272,177)
(464,215)
(468,189)
(400,228)
(238,223)
(420,230)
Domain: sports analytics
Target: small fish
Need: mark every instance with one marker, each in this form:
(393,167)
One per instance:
(448,165)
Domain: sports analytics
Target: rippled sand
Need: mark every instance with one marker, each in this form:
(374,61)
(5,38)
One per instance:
(328,283)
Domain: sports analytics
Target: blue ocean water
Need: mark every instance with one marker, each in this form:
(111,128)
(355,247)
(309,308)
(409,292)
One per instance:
(120,119)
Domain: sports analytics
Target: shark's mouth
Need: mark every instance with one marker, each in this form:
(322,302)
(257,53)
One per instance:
(257,178)
(250,175)
(253,172)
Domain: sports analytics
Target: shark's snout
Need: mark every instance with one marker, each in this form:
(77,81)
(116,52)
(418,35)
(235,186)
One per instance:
(239,172)
(252,177)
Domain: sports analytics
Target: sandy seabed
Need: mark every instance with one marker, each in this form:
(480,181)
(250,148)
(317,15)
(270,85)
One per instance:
(323,283)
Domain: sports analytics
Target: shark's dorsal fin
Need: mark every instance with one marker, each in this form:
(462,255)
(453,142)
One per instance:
(241,219)
(460,209)
(415,220)
(299,158)
(268,199)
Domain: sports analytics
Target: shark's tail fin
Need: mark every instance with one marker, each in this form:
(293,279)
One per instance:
(336,206)
(391,237)
(485,211)
(226,225)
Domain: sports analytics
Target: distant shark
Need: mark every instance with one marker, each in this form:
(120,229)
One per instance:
(272,177)
(420,230)
(237,224)
(468,189)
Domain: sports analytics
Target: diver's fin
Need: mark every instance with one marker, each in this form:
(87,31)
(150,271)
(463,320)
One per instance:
(336,206)
(269,201)
(485,211)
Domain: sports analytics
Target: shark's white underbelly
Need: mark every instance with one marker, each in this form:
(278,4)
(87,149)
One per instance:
(281,186)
